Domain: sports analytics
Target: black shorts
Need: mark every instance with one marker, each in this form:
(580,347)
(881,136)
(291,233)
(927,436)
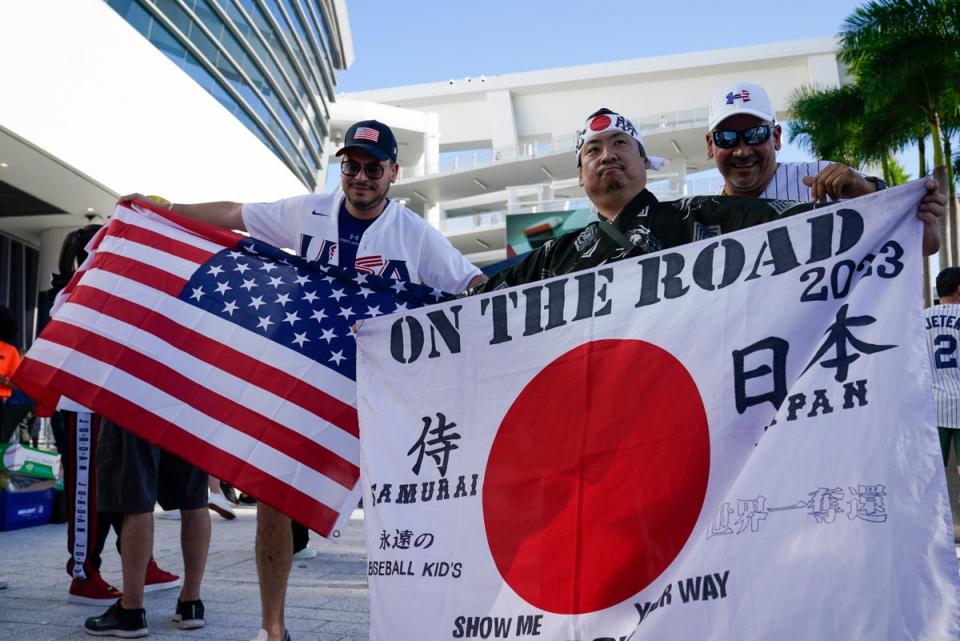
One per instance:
(133,475)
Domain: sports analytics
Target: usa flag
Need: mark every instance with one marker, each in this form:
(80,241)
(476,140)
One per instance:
(221,349)
(366,133)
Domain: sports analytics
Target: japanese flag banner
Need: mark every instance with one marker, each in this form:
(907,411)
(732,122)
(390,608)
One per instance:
(735,439)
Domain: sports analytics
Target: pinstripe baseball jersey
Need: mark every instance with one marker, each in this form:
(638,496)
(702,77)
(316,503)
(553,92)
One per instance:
(787,183)
(943,338)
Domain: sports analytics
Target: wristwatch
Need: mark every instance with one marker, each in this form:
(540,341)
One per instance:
(876,181)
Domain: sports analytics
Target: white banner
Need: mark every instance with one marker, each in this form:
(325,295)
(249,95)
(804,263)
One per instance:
(731,440)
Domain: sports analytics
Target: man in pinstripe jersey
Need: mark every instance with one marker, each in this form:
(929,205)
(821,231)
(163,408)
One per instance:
(943,337)
(743,139)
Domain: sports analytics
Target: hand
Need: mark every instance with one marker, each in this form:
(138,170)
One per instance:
(837,181)
(159,201)
(932,207)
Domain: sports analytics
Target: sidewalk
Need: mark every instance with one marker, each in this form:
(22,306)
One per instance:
(326,597)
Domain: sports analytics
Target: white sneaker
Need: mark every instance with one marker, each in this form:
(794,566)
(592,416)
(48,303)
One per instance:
(170,515)
(305,554)
(219,504)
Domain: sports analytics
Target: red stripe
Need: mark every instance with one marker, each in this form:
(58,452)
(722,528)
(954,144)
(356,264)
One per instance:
(29,377)
(251,480)
(141,272)
(222,357)
(216,406)
(150,238)
(229,239)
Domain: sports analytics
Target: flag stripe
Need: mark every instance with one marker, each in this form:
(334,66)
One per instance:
(175,265)
(216,406)
(266,474)
(224,237)
(141,235)
(132,268)
(182,418)
(189,364)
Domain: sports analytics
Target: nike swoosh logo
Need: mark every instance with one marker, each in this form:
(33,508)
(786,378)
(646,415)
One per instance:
(319,213)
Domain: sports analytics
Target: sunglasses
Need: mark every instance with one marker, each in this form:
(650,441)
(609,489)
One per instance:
(752,136)
(351,168)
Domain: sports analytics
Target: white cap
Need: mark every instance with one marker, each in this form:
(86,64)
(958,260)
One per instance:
(603,123)
(740,98)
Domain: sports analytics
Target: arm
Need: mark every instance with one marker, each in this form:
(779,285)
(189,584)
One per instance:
(476,281)
(837,181)
(219,214)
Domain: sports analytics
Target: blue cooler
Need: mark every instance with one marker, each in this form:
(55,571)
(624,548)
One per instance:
(25,509)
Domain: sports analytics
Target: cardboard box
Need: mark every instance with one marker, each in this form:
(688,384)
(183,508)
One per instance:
(28,461)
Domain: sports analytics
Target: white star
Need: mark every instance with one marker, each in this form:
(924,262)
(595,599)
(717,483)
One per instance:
(397,286)
(235,255)
(346,312)
(215,270)
(268,267)
(265,322)
(197,293)
(291,318)
(437,293)
(329,278)
(337,294)
(230,308)
(248,285)
(401,307)
(309,297)
(283,299)
(318,315)
(223,288)
(275,281)
(337,356)
(328,335)
(361,279)
(241,267)
(301,339)
(365,292)
(256,302)
(373,312)
(302,279)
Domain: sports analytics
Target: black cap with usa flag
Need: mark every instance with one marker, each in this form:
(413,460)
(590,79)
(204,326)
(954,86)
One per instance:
(372,136)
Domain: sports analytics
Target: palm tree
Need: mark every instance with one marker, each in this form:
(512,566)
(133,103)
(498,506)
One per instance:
(906,53)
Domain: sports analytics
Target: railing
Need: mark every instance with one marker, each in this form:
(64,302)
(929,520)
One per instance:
(460,161)
(662,189)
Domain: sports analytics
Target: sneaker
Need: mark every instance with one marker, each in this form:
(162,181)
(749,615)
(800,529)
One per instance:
(158,579)
(229,492)
(118,622)
(189,614)
(93,590)
(169,515)
(305,554)
(219,504)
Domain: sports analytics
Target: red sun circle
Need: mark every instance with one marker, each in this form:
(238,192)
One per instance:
(600,123)
(597,476)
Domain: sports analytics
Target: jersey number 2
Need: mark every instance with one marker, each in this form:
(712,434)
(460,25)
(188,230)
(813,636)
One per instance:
(945,356)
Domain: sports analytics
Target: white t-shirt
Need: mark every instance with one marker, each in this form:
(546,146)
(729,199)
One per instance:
(943,338)
(399,244)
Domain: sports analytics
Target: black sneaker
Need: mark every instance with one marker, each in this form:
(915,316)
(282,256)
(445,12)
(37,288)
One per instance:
(189,614)
(118,622)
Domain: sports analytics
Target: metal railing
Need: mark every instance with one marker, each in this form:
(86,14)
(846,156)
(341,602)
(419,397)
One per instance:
(471,159)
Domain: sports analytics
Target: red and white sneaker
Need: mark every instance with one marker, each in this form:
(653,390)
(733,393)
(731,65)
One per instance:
(157,579)
(92,591)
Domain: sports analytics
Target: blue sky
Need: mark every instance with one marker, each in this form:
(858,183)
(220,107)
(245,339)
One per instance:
(413,41)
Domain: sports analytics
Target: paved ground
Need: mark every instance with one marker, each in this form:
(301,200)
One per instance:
(326,600)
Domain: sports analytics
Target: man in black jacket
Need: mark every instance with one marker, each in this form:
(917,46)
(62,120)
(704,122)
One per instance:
(613,167)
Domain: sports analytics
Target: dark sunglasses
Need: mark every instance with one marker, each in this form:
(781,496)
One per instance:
(752,136)
(351,168)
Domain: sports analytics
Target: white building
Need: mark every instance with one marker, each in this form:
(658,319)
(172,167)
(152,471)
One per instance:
(488,146)
(194,100)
